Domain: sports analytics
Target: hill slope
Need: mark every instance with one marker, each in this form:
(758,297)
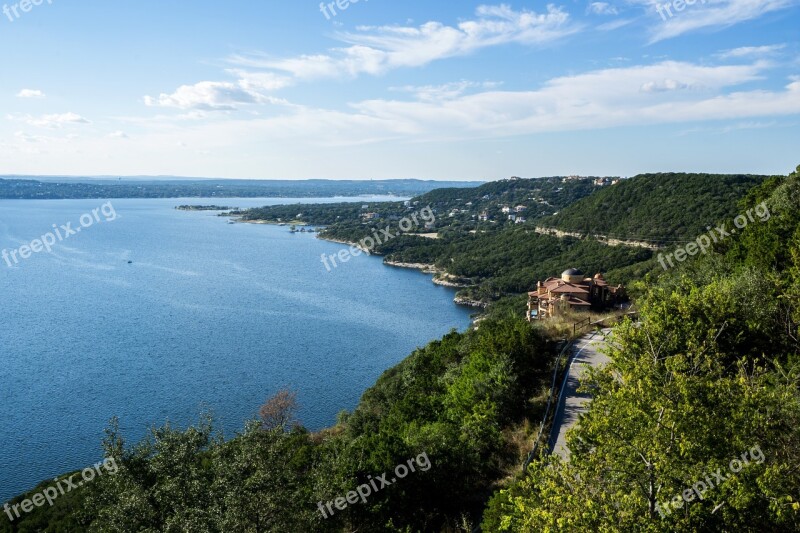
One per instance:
(661,208)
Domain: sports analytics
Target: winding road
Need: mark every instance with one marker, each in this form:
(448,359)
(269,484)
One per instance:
(571,403)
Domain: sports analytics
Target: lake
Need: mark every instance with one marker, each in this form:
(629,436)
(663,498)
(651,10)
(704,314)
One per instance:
(161,315)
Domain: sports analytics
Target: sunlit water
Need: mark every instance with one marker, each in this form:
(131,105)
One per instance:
(209,316)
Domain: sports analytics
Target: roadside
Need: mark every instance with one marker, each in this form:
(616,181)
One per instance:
(571,403)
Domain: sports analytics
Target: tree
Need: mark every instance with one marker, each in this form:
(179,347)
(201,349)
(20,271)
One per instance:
(279,411)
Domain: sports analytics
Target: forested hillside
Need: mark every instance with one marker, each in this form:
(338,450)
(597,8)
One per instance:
(464,401)
(661,208)
(708,375)
(695,424)
(496,257)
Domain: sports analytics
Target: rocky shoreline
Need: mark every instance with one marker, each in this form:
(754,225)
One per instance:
(440,277)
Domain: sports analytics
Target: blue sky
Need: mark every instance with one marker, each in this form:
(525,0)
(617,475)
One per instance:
(389,89)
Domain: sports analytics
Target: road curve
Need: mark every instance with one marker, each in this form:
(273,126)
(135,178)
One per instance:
(571,403)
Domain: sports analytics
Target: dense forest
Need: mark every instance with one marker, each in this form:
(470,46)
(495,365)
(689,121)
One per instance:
(695,424)
(463,401)
(496,257)
(707,375)
(661,208)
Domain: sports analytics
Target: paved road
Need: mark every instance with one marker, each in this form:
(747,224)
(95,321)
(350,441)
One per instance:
(571,403)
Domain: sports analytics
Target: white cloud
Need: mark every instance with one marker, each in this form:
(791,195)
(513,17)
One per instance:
(752,51)
(662,93)
(602,8)
(30,93)
(206,95)
(375,50)
(715,14)
(447,91)
(223,96)
(54,121)
(663,86)
(26,138)
(665,92)
(118,135)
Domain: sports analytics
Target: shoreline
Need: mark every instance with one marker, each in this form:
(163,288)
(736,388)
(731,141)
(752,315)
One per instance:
(439,276)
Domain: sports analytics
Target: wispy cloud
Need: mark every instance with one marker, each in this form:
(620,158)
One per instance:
(602,8)
(30,93)
(54,121)
(667,92)
(714,14)
(447,91)
(752,51)
(376,50)
(250,88)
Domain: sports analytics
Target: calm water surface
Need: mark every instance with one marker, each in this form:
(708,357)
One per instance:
(209,316)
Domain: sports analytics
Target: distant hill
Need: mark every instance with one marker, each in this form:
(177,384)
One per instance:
(540,196)
(659,208)
(49,188)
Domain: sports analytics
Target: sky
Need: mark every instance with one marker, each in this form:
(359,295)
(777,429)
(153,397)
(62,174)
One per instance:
(382,89)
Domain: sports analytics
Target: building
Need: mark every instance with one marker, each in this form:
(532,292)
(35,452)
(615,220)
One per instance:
(572,291)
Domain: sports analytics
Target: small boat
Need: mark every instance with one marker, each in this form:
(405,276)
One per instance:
(130,262)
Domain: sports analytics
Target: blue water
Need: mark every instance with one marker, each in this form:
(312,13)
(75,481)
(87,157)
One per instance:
(210,316)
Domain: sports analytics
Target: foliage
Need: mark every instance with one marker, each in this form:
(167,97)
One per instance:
(710,372)
(659,208)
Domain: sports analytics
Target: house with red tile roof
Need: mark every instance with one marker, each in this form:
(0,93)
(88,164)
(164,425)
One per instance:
(572,291)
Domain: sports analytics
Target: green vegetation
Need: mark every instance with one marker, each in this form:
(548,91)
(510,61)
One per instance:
(711,371)
(496,258)
(659,208)
(461,400)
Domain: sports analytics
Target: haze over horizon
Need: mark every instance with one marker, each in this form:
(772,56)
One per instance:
(473,91)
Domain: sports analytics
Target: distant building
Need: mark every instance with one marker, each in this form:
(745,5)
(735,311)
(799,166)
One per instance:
(521,220)
(520,209)
(572,291)
(601,182)
(616,181)
(506,210)
(484,217)
(370,216)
